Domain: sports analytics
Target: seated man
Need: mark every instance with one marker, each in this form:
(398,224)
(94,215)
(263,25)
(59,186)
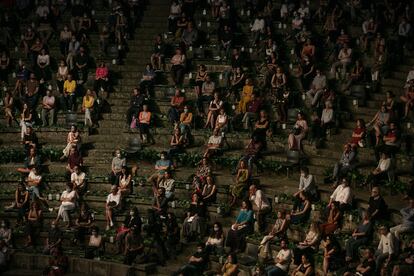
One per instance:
(160,166)
(386,250)
(160,202)
(345,164)
(196,264)
(252,110)
(214,144)
(317,86)
(282,261)
(116,167)
(29,139)
(260,204)
(344,59)
(31,161)
(54,239)
(167,182)
(252,151)
(380,173)
(342,195)
(135,105)
(407,224)
(392,142)
(134,245)
(366,265)
(78,180)
(48,108)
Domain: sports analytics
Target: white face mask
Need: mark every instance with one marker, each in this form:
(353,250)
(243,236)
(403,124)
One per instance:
(302,175)
(162,157)
(118,155)
(216,229)
(199,250)
(3,225)
(131,213)
(185,110)
(68,190)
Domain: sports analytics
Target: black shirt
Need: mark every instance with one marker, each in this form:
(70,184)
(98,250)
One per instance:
(137,101)
(377,204)
(369,263)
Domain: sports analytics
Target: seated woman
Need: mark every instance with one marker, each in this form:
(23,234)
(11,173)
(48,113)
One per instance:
(246,96)
(309,245)
(74,160)
(332,257)
(213,109)
(209,193)
(124,181)
(68,199)
(177,143)
(8,106)
(101,78)
(230,267)
(262,126)
(95,244)
(83,223)
(302,210)
(132,220)
(358,135)
(6,233)
(221,121)
(360,236)
(408,99)
(278,230)
(327,118)
(178,66)
(73,140)
(253,151)
(34,223)
(32,160)
(236,84)
(194,223)
(298,133)
(43,65)
(215,241)
(242,227)
(200,79)
(380,173)
(144,120)
(240,183)
(33,183)
(305,268)
(88,103)
(29,140)
(333,220)
(26,119)
(203,169)
(21,203)
(112,205)
(186,119)
(380,123)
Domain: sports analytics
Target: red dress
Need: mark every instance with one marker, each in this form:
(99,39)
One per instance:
(358,131)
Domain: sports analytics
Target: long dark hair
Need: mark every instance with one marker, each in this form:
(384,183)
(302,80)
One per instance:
(219,233)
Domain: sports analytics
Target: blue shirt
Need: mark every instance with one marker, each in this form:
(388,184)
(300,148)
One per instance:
(245,215)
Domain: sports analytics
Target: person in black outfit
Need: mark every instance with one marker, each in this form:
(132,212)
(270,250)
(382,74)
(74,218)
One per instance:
(83,223)
(160,202)
(29,140)
(134,246)
(196,264)
(132,220)
(172,234)
(377,208)
(136,102)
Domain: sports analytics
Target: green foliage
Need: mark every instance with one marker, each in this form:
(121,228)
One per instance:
(10,155)
(396,186)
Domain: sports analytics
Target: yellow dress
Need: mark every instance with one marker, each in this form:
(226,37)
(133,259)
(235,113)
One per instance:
(245,98)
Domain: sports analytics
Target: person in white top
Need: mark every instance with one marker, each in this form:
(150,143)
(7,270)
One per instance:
(342,195)
(404,29)
(258,27)
(344,59)
(113,202)
(78,180)
(380,173)
(387,248)
(168,184)
(214,144)
(327,118)
(307,184)
(260,204)
(68,199)
(410,78)
(282,260)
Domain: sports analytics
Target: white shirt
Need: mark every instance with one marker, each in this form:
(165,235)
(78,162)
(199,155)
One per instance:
(387,244)
(384,164)
(342,194)
(32,176)
(258,25)
(410,76)
(42,11)
(286,256)
(327,115)
(68,195)
(319,82)
(167,184)
(77,178)
(306,183)
(215,140)
(259,199)
(112,197)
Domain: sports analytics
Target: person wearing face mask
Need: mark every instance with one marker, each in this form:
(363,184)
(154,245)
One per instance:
(112,205)
(132,221)
(68,199)
(197,263)
(53,240)
(116,167)
(161,166)
(186,119)
(95,244)
(215,241)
